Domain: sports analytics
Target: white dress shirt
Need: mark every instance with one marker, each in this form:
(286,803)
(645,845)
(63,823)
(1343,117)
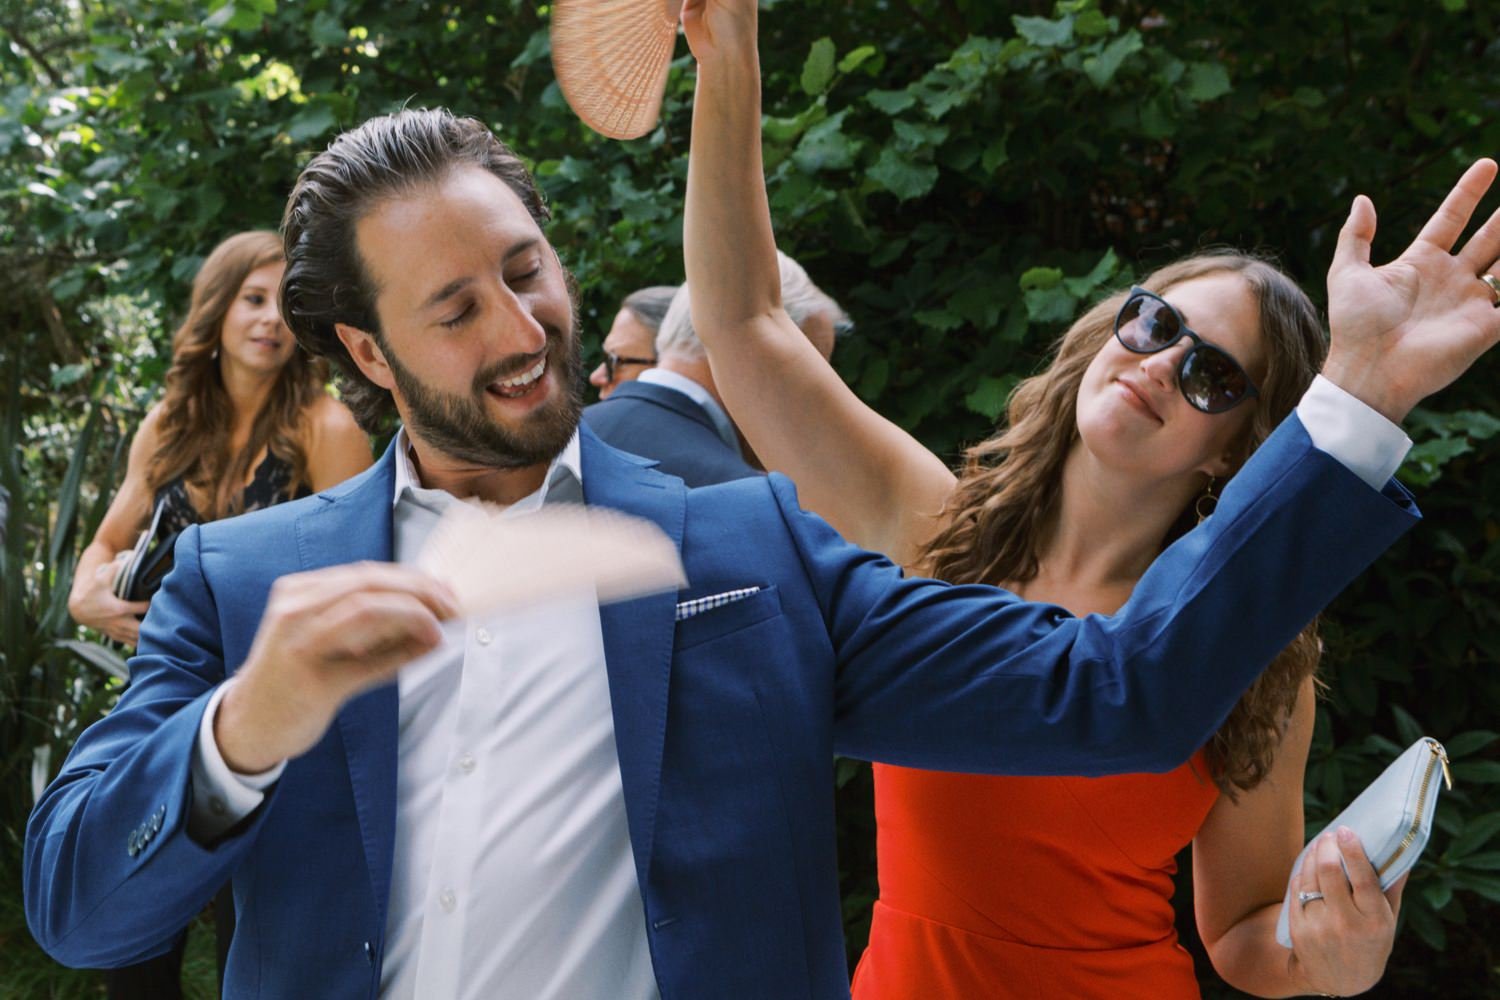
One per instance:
(513,874)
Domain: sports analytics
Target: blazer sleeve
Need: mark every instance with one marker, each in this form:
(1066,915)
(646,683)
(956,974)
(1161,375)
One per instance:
(971,678)
(111,875)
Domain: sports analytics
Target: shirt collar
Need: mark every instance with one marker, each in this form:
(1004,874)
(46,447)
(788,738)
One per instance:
(699,395)
(569,462)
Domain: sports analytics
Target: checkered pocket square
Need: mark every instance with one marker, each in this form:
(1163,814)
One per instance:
(698,605)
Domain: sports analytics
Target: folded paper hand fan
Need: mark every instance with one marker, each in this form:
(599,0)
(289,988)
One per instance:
(611,59)
(496,563)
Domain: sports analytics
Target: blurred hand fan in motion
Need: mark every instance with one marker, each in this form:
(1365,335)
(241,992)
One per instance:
(611,59)
(496,562)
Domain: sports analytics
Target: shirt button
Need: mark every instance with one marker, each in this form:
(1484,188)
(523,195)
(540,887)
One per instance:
(218,806)
(466,763)
(447,900)
(482,636)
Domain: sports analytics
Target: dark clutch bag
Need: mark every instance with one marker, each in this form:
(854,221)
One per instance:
(140,576)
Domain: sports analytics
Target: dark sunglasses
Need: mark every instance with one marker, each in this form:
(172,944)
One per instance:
(1209,377)
(613,361)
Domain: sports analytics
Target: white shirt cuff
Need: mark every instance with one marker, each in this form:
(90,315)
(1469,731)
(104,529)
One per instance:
(221,797)
(1363,441)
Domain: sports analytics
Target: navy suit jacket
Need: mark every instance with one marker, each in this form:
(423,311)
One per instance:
(726,723)
(662,423)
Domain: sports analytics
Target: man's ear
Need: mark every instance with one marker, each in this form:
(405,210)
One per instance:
(366,352)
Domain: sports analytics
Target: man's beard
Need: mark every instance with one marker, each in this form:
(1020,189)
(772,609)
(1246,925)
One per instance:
(461,427)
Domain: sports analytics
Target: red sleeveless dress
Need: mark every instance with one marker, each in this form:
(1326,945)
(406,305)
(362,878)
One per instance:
(997,887)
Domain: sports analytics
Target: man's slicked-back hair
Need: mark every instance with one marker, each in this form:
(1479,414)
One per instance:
(326,282)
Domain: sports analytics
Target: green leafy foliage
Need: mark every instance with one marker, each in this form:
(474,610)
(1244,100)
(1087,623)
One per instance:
(963,176)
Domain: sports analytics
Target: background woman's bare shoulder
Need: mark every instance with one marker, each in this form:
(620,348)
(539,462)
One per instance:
(336,446)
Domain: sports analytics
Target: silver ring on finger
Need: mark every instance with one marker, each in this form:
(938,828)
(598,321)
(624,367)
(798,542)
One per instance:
(1307,897)
(1493,283)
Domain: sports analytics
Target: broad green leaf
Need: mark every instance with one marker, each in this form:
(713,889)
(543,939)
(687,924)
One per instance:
(826,147)
(1478,832)
(326,30)
(1040,278)
(1485,861)
(916,136)
(1044,32)
(1480,772)
(990,395)
(938,319)
(901,176)
(854,60)
(817,71)
(68,375)
(1050,305)
(309,123)
(1207,82)
(995,154)
(892,102)
(1466,743)
(538,49)
(1101,69)
(1092,23)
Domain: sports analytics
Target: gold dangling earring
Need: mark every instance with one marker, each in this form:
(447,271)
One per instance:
(1207,503)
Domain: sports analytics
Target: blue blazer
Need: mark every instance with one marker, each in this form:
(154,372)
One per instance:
(726,723)
(661,423)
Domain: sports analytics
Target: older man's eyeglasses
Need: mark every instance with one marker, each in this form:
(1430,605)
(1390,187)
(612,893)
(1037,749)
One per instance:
(613,362)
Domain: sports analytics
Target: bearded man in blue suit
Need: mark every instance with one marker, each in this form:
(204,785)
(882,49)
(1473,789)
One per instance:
(635,800)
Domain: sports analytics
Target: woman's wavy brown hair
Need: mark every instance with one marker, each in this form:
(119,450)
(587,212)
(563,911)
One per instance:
(1008,491)
(196,416)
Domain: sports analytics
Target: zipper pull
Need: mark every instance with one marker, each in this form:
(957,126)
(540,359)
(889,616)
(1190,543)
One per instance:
(1442,755)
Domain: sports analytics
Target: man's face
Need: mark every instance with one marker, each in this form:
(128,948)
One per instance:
(630,339)
(478,343)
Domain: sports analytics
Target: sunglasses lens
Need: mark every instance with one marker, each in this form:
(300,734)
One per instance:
(1147,324)
(1212,381)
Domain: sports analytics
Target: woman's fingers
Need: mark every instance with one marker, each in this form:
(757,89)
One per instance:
(1448,222)
(1484,246)
(1364,883)
(1353,249)
(1393,895)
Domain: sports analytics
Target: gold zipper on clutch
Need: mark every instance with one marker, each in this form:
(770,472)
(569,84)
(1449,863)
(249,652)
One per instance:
(1439,756)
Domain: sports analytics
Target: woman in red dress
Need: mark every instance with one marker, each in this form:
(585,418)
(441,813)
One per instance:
(1053,887)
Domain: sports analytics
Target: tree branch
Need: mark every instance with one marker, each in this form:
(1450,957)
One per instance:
(53,77)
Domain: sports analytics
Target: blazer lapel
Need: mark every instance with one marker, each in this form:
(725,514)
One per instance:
(354,523)
(637,636)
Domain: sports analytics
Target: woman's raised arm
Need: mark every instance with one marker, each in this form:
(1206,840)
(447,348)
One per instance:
(870,479)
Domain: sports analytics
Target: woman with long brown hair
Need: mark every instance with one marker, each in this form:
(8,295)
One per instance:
(1054,886)
(245,423)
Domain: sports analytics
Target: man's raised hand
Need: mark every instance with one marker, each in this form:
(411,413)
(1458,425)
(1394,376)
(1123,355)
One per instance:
(326,636)
(1403,331)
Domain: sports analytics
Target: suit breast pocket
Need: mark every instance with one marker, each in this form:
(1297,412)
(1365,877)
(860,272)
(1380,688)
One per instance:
(715,623)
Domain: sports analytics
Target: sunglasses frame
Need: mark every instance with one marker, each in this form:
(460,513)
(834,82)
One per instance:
(1199,344)
(613,361)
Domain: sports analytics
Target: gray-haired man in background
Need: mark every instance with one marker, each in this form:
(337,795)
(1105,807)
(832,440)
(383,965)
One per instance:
(673,414)
(630,345)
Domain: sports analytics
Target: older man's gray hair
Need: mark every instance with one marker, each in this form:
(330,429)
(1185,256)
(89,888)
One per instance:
(799,297)
(650,305)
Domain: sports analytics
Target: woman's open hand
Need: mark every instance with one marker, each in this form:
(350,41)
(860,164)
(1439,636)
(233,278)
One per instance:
(1403,331)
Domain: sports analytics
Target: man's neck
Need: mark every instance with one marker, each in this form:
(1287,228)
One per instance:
(695,369)
(438,471)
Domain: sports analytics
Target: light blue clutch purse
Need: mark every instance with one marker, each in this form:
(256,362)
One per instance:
(1393,818)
